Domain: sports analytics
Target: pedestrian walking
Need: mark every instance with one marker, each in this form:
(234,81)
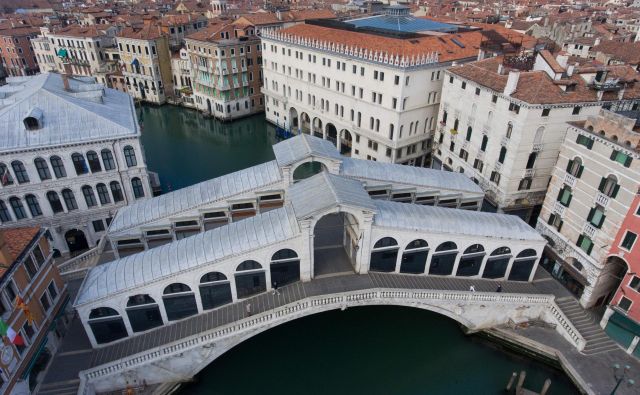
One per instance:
(472,288)
(248,309)
(275,288)
(499,289)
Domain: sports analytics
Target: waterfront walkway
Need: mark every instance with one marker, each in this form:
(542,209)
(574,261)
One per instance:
(76,354)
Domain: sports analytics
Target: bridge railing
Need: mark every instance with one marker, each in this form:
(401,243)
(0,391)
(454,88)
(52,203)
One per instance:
(77,267)
(319,303)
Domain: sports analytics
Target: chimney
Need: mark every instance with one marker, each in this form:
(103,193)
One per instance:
(500,69)
(563,60)
(65,76)
(571,69)
(512,83)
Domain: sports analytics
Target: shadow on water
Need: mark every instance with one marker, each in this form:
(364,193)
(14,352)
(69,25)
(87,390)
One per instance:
(369,350)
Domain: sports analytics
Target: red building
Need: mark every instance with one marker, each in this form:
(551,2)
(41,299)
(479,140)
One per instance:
(622,319)
(16,52)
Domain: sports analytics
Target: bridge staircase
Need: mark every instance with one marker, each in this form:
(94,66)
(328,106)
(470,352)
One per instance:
(597,340)
(69,387)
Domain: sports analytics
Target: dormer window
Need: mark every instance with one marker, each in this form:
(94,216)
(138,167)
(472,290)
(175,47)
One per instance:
(31,123)
(33,119)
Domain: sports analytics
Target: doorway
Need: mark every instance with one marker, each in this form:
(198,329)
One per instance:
(335,244)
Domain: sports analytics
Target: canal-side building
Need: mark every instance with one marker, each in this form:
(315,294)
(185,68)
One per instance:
(226,69)
(16,51)
(33,298)
(145,61)
(182,86)
(235,236)
(70,156)
(502,120)
(593,187)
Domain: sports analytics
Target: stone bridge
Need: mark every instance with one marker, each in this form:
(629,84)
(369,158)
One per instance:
(175,353)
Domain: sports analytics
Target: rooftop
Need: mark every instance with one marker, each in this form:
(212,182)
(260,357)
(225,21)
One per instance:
(14,241)
(398,18)
(293,150)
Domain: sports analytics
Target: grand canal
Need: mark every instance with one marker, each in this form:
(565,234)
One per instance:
(368,350)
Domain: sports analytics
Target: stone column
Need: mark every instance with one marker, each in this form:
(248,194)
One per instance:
(482,265)
(363,256)
(456,264)
(509,266)
(306,251)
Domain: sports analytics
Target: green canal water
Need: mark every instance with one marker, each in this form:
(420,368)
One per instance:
(366,350)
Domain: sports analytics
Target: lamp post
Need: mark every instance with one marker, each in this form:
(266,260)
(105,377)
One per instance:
(621,375)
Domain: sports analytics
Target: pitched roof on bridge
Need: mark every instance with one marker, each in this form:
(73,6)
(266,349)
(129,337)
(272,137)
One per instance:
(303,146)
(454,221)
(163,262)
(192,197)
(326,190)
(408,175)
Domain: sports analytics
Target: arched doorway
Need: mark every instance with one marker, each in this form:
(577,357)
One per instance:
(335,244)
(317,128)
(294,122)
(332,133)
(307,170)
(617,269)
(345,142)
(305,123)
(76,241)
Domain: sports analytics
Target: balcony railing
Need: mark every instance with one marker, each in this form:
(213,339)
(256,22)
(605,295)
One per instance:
(529,173)
(570,180)
(498,166)
(558,208)
(504,141)
(602,199)
(537,147)
(589,230)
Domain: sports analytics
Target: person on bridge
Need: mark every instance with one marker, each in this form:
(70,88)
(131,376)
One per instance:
(248,309)
(275,288)
(499,289)
(472,288)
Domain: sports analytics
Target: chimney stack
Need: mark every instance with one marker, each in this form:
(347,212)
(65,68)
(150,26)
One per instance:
(65,76)
(512,83)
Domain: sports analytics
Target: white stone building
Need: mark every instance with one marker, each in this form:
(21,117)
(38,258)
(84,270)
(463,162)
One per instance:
(295,229)
(592,188)
(375,96)
(503,120)
(70,156)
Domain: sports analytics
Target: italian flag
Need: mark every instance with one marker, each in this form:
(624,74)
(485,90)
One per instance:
(13,336)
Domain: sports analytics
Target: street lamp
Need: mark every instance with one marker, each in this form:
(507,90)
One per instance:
(620,376)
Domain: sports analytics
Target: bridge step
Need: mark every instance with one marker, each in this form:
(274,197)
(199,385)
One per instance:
(601,349)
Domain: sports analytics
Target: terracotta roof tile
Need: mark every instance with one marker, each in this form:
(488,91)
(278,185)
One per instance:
(16,240)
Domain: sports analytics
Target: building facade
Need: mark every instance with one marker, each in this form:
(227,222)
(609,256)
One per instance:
(30,277)
(66,161)
(16,52)
(592,188)
(503,121)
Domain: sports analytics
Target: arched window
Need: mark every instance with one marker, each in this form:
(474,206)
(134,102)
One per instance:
(17,207)
(138,190)
(89,197)
(106,325)
(575,167)
(79,164)
(94,162)
(537,138)
(509,130)
(4,212)
(215,290)
(42,168)
(143,313)
(250,279)
(483,146)
(69,199)
(455,124)
(609,186)
(497,263)
(20,171)
(179,301)
(130,156)
(384,255)
(116,191)
(532,160)
(503,154)
(107,159)
(58,167)
(469,132)
(34,206)
(54,202)
(103,194)
(414,257)
(443,259)
(5,174)
(285,267)
(523,265)
(471,261)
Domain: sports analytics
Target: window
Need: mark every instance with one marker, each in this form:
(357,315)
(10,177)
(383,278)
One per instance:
(79,164)
(46,303)
(31,267)
(396,79)
(509,130)
(478,165)
(4,212)
(575,167)
(103,194)
(20,171)
(7,179)
(635,283)
(54,201)
(609,186)
(525,184)
(616,156)
(564,196)
(477,91)
(94,162)
(495,177)
(34,206)
(42,168)
(138,190)
(503,154)
(116,191)
(98,225)
(58,167)
(18,208)
(514,107)
(596,216)
(532,160)
(628,241)
(469,132)
(37,254)
(69,199)
(545,112)
(130,156)
(483,146)
(624,303)
(555,221)
(107,159)
(494,99)
(89,197)
(576,110)
(584,140)
(585,243)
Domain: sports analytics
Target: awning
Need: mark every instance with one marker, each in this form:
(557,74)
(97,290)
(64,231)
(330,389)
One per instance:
(575,274)
(625,323)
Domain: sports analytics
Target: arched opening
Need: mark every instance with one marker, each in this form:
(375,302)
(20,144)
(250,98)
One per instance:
(471,261)
(443,259)
(250,279)
(76,241)
(345,142)
(332,133)
(285,267)
(523,265)
(497,263)
(307,170)
(143,313)
(305,123)
(384,255)
(106,325)
(294,122)
(414,257)
(317,128)
(616,268)
(335,244)
(215,290)
(179,301)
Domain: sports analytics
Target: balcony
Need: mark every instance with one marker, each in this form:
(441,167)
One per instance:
(465,144)
(570,180)
(589,230)
(498,166)
(558,208)
(504,141)
(529,173)
(537,147)
(602,199)
(480,155)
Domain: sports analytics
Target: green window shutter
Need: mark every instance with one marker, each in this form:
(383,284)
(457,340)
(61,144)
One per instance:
(614,153)
(601,221)
(590,216)
(569,200)
(580,171)
(560,194)
(569,164)
(551,218)
(615,191)
(590,144)
(627,161)
(590,248)
(560,225)
(603,181)
(579,242)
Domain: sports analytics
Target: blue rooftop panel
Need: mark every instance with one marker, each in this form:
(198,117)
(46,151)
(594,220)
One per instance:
(408,24)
